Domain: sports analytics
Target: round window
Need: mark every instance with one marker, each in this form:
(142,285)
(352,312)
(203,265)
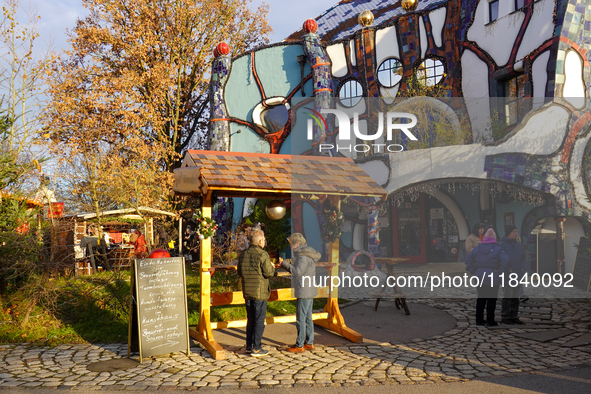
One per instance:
(274,118)
(350,93)
(390,73)
(430,72)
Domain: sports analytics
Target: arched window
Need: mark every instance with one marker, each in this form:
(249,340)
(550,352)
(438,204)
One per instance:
(430,72)
(390,73)
(350,93)
(271,115)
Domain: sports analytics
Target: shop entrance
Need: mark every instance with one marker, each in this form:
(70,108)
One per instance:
(443,240)
(408,230)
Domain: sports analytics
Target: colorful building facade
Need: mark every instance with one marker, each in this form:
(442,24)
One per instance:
(516,72)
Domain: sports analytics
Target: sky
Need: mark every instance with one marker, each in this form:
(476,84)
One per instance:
(57,16)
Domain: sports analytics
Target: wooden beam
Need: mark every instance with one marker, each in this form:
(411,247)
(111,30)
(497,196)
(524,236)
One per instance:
(212,347)
(268,320)
(236,297)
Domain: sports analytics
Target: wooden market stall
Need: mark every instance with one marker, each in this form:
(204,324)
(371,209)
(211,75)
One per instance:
(256,175)
(71,230)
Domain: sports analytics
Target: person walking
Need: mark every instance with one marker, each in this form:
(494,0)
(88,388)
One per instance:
(255,269)
(486,261)
(514,249)
(304,266)
(475,237)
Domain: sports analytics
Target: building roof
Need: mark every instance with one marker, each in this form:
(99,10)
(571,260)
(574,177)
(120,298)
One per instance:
(340,21)
(240,174)
(128,212)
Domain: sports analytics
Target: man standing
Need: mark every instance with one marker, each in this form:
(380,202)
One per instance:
(255,269)
(514,249)
(304,266)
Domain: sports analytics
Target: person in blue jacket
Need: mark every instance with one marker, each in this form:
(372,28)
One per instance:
(487,261)
(514,249)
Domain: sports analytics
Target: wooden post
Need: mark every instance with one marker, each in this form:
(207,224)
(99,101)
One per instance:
(181,236)
(560,244)
(335,320)
(203,333)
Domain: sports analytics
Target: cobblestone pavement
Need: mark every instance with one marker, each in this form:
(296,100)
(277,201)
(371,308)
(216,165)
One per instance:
(463,353)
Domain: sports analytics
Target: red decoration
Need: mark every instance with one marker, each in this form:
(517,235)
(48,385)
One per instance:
(310,26)
(56,210)
(222,49)
(158,254)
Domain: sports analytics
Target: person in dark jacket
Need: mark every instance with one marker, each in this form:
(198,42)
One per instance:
(514,249)
(255,269)
(302,271)
(487,261)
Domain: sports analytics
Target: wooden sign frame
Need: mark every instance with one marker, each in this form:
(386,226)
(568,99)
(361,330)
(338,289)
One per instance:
(137,341)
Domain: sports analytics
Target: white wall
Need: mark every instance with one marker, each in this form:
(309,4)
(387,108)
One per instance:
(338,59)
(541,134)
(539,29)
(476,92)
(498,37)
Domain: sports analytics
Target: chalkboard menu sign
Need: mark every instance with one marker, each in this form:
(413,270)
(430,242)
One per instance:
(582,268)
(158,320)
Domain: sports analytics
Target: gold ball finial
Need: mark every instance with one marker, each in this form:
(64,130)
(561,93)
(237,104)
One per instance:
(365,18)
(409,5)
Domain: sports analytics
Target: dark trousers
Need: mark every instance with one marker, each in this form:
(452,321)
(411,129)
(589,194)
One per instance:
(510,303)
(487,298)
(255,325)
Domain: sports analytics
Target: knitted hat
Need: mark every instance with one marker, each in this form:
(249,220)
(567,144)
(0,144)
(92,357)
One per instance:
(490,233)
(509,229)
(297,238)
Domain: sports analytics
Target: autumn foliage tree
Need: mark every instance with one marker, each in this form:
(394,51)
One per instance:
(137,74)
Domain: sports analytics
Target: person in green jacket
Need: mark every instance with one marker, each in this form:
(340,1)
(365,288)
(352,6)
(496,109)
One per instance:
(255,269)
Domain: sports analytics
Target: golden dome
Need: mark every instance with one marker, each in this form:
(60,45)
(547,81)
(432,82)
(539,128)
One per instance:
(409,5)
(365,18)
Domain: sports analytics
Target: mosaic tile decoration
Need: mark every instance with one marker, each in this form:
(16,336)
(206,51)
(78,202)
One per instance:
(340,21)
(322,80)
(534,172)
(519,169)
(219,127)
(286,173)
(574,29)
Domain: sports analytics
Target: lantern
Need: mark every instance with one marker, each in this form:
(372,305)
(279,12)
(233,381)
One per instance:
(275,209)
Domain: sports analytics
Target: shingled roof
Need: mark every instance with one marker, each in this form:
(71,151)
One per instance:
(240,174)
(340,21)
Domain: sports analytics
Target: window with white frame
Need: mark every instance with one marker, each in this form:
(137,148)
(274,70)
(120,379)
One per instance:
(390,72)
(350,93)
(430,72)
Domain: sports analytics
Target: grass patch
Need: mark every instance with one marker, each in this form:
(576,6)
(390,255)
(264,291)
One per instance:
(95,308)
